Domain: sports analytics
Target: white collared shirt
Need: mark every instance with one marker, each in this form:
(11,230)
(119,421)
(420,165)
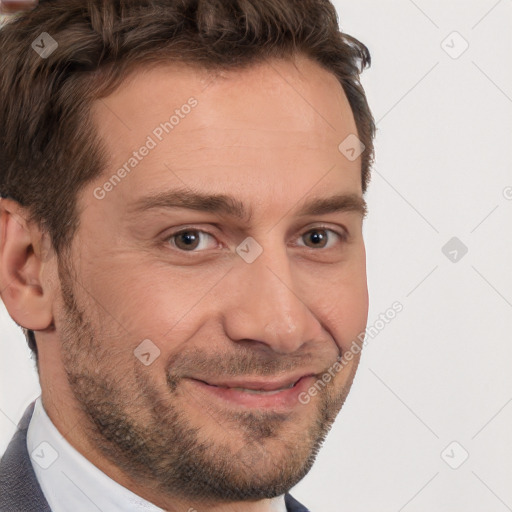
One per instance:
(71,483)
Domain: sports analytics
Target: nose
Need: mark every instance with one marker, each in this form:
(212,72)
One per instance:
(269,306)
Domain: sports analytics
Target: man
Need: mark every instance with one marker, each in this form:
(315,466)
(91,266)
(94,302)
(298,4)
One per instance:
(181,241)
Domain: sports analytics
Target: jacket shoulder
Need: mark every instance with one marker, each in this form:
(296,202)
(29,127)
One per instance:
(19,488)
(292,505)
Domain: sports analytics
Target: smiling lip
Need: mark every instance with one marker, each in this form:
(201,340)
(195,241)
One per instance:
(268,394)
(258,384)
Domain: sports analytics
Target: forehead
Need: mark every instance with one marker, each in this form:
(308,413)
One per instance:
(254,131)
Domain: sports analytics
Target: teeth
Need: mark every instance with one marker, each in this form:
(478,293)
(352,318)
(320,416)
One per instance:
(259,391)
(262,391)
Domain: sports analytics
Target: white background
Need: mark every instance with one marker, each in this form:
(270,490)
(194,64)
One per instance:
(441,370)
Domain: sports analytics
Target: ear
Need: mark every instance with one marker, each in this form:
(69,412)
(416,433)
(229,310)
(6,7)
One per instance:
(22,257)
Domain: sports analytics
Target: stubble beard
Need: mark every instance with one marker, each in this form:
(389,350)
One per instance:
(149,437)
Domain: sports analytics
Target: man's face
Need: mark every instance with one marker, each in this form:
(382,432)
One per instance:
(222,319)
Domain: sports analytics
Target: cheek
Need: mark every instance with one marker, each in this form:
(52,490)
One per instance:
(145,298)
(346,312)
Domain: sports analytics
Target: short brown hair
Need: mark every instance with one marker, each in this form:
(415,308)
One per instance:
(48,145)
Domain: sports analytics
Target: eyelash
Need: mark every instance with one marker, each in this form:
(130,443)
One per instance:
(342,236)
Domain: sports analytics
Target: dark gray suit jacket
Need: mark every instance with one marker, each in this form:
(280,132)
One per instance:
(19,489)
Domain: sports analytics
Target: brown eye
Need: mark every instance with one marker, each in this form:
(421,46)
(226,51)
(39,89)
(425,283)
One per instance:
(320,238)
(316,238)
(187,240)
(190,240)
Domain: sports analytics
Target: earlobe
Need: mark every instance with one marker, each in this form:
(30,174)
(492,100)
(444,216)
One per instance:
(25,297)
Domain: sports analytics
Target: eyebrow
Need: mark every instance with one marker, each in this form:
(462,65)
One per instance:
(229,206)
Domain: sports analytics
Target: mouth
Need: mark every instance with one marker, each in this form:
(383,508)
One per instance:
(258,391)
(260,394)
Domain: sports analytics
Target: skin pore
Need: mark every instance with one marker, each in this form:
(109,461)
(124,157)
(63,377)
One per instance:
(268,136)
